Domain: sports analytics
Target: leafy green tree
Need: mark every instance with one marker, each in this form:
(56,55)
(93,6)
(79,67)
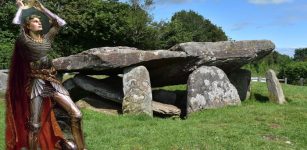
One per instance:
(294,71)
(300,54)
(143,4)
(8,32)
(91,23)
(275,61)
(186,26)
(143,34)
(96,23)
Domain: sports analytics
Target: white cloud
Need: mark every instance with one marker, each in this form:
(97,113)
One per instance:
(263,2)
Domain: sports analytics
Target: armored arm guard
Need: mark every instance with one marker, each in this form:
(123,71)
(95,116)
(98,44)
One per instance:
(60,21)
(57,23)
(17,18)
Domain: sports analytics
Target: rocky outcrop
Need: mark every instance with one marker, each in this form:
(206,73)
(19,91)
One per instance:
(276,93)
(209,87)
(166,67)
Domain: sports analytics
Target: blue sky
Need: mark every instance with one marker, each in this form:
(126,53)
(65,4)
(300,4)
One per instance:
(282,21)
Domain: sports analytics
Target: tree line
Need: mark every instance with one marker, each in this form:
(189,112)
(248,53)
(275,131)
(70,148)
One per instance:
(286,67)
(97,23)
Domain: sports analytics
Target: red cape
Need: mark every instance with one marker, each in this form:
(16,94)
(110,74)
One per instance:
(18,108)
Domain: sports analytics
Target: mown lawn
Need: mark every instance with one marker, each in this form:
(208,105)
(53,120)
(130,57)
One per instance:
(256,124)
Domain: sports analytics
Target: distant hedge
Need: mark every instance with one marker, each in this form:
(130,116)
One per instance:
(294,71)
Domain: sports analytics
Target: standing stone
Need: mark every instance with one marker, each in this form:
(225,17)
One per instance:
(209,87)
(276,93)
(241,79)
(137,91)
(3,81)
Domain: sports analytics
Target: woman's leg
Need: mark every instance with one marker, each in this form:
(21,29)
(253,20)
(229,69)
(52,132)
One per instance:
(34,123)
(76,116)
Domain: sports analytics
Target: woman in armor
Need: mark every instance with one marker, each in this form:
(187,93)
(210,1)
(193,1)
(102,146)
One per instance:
(32,87)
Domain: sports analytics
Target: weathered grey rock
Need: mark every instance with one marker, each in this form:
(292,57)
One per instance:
(76,93)
(166,67)
(100,105)
(227,55)
(137,91)
(109,88)
(209,87)
(69,84)
(165,109)
(3,81)
(276,93)
(164,96)
(241,79)
(106,58)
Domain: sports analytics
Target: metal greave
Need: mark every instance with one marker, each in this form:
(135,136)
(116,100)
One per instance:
(34,122)
(76,117)
(68,105)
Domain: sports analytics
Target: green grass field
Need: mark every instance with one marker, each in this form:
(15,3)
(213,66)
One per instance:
(256,124)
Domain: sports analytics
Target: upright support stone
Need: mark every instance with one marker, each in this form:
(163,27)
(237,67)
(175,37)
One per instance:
(276,93)
(3,81)
(137,91)
(241,79)
(209,87)
(301,81)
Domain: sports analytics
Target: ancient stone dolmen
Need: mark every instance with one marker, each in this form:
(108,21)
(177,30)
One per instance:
(211,71)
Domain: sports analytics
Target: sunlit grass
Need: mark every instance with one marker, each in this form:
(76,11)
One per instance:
(256,124)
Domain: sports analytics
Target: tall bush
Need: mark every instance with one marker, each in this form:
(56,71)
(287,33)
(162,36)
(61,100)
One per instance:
(294,71)
(275,61)
(300,54)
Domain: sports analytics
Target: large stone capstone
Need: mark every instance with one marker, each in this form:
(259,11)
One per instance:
(166,67)
(209,87)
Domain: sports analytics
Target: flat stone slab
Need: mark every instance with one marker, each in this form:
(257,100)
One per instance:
(166,67)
